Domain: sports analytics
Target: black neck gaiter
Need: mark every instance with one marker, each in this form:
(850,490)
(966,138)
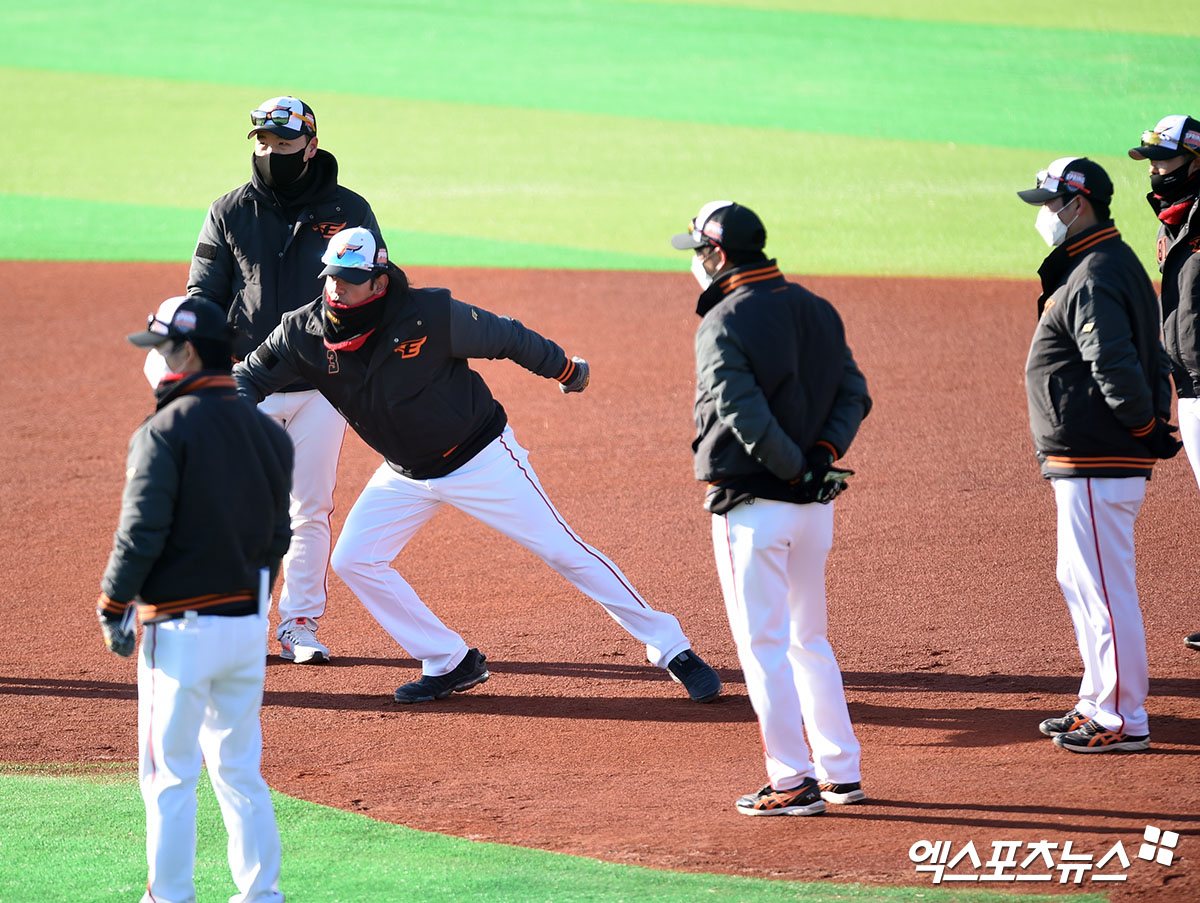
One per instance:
(346,328)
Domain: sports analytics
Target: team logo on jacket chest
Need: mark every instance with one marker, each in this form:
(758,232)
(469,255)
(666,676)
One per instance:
(331,356)
(411,348)
(328,230)
(1162,250)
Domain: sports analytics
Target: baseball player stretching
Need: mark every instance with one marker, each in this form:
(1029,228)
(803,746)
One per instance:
(1173,149)
(204,523)
(778,399)
(394,361)
(257,257)
(1098,385)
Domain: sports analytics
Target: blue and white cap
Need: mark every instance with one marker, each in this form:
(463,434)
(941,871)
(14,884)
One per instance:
(355,255)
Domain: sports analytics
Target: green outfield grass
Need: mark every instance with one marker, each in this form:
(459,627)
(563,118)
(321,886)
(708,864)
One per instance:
(533,133)
(53,846)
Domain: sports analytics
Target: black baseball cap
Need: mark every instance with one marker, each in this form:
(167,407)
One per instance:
(1173,136)
(725,224)
(181,319)
(1068,177)
(287,117)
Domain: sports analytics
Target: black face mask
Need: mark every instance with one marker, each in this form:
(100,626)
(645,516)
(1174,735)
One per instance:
(280,170)
(347,328)
(1176,184)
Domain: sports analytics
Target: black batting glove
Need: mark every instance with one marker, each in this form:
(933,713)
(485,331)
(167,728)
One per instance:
(821,481)
(1162,440)
(577,377)
(119,641)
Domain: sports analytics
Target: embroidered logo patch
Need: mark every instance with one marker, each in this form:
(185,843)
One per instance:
(331,356)
(328,230)
(411,348)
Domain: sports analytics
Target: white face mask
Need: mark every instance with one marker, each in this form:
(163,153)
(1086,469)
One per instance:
(156,367)
(1052,229)
(700,273)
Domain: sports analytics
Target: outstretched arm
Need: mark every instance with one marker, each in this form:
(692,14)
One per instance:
(478,333)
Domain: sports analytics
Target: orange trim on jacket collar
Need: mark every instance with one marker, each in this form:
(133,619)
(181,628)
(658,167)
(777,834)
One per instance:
(737,280)
(1092,240)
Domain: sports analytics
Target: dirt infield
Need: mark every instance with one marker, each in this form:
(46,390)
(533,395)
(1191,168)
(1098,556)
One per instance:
(944,609)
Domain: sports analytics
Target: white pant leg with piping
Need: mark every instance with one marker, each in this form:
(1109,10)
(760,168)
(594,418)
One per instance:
(1097,573)
(770,559)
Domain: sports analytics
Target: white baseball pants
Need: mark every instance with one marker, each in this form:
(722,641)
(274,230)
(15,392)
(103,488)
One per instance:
(771,563)
(497,486)
(200,686)
(316,430)
(1189,432)
(1096,570)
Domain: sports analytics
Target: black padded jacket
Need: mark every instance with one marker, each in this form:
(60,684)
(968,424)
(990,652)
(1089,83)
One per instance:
(1097,376)
(1179,262)
(257,259)
(205,505)
(774,379)
(409,393)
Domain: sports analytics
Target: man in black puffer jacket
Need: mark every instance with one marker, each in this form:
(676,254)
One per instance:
(1099,401)
(1173,149)
(258,257)
(395,361)
(778,399)
(204,523)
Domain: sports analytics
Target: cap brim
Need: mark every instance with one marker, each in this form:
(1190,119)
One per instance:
(349,274)
(279,130)
(1155,152)
(685,242)
(1039,196)
(147,339)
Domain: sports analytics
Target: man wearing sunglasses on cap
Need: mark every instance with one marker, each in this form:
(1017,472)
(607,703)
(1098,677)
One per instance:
(1099,398)
(1173,150)
(258,257)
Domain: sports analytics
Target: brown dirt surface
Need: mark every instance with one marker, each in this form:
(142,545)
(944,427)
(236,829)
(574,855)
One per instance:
(943,605)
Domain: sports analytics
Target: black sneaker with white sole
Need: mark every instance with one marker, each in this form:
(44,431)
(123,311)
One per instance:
(1093,737)
(698,678)
(841,794)
(470,672)
(802,800)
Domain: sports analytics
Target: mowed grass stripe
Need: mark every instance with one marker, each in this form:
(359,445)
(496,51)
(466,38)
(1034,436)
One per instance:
(1096,15)
(525,188)
(81,838)
(1036,87)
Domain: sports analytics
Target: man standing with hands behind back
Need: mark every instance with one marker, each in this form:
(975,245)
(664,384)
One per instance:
(1099,400)
(1173,149)
(258,257)
(778,400)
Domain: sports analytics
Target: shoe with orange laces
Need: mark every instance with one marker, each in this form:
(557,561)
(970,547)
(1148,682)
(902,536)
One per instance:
(1093,738)
(841,794)
(802,800)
